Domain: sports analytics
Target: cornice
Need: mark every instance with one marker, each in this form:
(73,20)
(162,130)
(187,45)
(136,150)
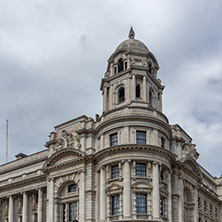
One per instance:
(22,165)
(127,117)
(135,147)
(23,183)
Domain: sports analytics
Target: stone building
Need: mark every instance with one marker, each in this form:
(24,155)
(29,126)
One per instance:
(129,164)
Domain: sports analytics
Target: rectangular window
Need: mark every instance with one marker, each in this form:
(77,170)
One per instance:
(141,203)
(115,172)
(211,209)
(205,206)
(115,205)
(162,142)
(141,170)
(125,65)
(114,139)
(72,211)
(140,137)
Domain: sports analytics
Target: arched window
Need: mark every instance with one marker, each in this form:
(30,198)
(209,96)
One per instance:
(138,91)
(120,65)
(121,95)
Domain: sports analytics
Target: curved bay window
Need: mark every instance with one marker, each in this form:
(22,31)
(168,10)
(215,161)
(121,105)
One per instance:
(114,202)
(121,95)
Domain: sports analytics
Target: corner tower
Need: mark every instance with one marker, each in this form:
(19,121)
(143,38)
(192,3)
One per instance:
(131,77)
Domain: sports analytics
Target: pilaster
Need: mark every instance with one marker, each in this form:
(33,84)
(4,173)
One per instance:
(156,191)
(127,191)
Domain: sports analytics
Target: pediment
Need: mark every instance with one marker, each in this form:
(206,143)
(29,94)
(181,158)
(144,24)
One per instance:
(114,187)
(142,184)
(64,156)
(192,166)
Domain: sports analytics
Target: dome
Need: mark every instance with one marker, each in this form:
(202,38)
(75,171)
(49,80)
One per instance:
(132,44)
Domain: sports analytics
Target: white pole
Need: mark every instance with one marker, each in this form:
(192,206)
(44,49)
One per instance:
(6,141)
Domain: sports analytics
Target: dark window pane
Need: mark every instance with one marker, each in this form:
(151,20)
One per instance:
(137,91)
(114,139)
(162,142)
(121,95)
(120,65)
(115,172)
(115,205)
(72,188)
(140,137)
(141,170)
(141,201)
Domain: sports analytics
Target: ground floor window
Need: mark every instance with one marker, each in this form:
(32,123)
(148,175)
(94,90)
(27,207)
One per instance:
(70,211)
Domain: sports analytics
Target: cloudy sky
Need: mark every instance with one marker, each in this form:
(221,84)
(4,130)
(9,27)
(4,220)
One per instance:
(53,54)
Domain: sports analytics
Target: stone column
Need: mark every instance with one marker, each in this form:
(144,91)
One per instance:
(144,88)
(10,210)
(101,142)
(161,103)
(181,200)
(127,191)
(40,203)
(196,211)
(56,210)
(82,197)
(110,97)
(134,87)
(105,99)
(25,208)
(156,192)
(169,197)
(102,195)
(51,202)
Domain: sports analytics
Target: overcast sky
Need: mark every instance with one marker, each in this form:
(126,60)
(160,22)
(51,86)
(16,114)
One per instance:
(53,54)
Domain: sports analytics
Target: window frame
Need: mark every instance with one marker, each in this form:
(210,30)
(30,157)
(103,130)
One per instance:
(70,188)
(113,139)
(115,207)
(140,171)
(115,171)
(121,95)
(73,211)
(141,137)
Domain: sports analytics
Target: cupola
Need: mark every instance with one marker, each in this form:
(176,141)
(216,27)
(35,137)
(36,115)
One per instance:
(131,77)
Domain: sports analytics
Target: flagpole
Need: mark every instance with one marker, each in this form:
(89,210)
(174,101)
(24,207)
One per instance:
(6,141)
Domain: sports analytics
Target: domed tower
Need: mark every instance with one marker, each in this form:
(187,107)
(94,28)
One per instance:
(131,77)
(133,156)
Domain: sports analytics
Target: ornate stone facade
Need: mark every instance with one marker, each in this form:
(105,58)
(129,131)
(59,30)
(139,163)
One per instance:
(129,164)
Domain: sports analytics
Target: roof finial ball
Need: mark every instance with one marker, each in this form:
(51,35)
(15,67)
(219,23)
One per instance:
(131,33)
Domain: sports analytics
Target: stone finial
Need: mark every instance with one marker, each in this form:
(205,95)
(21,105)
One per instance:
(131,33)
